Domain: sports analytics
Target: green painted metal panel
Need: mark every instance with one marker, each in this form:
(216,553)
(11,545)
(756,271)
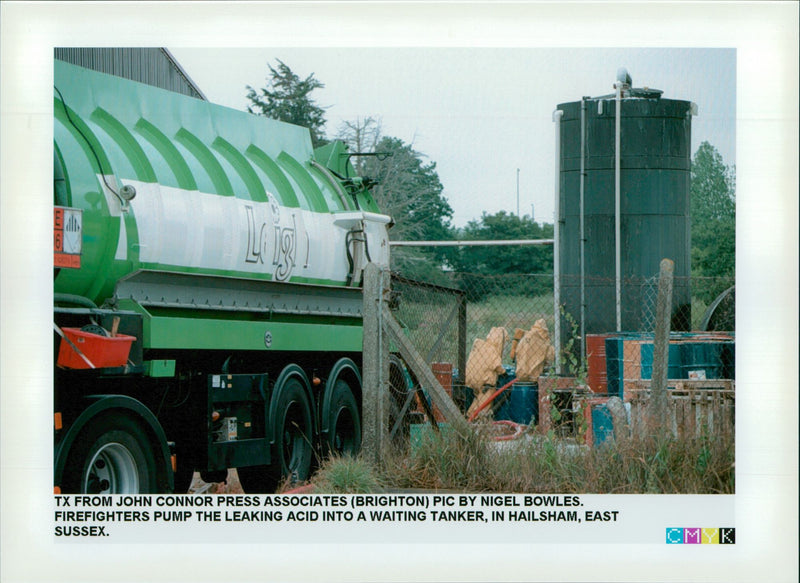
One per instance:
(84,137)
(283,188)
(129,147)
(317,201)
(177,163)
(223,272)
(335,157)
(207,160)
(214,334)
(243,168)
(160,368)
(85,191)
(60,182)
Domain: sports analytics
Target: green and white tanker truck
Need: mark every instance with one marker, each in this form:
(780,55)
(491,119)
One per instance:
(207,299)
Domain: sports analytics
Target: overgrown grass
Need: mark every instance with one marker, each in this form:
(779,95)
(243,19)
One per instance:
(539,464)
(546,464)
(346,475)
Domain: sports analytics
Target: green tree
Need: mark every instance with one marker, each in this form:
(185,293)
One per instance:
(408,189)
(526,263)
(287,97)
(506,259)
(361,136)
(713,222)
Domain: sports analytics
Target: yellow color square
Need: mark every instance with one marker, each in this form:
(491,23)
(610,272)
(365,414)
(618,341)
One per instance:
(710,536)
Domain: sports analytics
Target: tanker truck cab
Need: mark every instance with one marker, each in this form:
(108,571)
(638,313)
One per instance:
(207,291)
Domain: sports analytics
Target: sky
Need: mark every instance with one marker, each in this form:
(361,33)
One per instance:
(479,113)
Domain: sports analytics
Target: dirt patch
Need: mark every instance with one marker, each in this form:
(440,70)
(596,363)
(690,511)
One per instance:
(230,486)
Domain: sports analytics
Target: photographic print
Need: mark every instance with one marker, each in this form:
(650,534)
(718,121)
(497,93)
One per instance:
(308,292)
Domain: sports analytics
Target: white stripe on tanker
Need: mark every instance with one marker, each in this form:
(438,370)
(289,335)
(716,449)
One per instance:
(211,232)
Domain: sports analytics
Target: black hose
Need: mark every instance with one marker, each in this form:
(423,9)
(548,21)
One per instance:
(61,298)
(347,238)
(366,246)
(88,143)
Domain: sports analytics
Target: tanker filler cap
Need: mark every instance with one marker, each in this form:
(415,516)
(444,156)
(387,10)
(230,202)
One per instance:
(127,193)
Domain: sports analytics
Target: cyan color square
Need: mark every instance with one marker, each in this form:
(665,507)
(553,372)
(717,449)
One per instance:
(674,536)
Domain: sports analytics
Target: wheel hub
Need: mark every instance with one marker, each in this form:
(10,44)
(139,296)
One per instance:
(112,470)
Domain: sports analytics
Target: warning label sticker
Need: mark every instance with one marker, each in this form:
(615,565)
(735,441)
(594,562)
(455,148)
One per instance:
(67,237)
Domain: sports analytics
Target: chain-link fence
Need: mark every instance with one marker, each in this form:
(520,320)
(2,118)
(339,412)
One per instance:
(549,340)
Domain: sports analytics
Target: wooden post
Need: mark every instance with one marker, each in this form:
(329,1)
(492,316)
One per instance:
(423,372)
(375,369)
(658,388)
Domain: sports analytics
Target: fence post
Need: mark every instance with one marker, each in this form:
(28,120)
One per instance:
(658,386)
(375,371)
(462,338)
(423,372)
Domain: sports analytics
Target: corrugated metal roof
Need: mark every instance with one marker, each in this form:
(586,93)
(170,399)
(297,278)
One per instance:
(152,65)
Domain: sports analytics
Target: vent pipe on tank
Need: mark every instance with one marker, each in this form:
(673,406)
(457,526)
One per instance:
(624,78)
(557,114)
(583,231)
(623,82)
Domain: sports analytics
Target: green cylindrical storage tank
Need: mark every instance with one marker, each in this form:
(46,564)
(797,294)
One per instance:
(654,181)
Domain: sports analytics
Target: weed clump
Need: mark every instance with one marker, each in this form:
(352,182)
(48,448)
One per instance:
(544,463)
(535,463)
(346,475)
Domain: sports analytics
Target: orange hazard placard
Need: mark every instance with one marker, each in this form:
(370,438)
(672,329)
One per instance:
(67,237)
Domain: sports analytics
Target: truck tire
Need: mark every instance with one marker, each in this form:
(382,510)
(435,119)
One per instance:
(111,456)
(293,433)
(344,421)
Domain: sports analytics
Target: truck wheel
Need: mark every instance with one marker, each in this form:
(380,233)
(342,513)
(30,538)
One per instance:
(344,421)
(293,442)
(111,456)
